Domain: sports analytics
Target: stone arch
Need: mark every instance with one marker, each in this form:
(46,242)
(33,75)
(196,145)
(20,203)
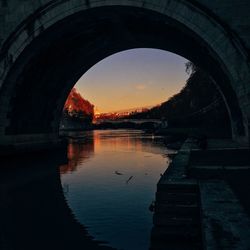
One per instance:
(74,35)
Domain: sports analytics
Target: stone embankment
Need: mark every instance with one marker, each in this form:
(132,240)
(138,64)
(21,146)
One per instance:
(201,201)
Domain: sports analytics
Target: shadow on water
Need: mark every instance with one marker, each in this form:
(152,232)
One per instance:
(34,213)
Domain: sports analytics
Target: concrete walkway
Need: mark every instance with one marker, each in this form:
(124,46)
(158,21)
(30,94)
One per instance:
(222,170)
(225,224)
(203,197)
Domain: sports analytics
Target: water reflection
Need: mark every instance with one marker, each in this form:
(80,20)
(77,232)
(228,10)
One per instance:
(44,206)
(34,214)
(79,151)
(109,188)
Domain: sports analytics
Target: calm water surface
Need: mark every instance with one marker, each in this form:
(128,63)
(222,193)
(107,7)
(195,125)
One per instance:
(110,181)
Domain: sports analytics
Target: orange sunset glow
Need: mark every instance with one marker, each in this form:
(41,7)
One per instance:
(133,79)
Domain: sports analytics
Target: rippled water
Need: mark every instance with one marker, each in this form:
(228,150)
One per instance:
(110,181)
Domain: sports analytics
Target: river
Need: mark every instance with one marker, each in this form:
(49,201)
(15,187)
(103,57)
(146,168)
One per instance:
(94,196)
(110,181)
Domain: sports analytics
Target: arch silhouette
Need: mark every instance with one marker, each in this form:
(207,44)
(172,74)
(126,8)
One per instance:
(52,48)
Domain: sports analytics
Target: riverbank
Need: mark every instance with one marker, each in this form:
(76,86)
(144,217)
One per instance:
(177,223)
(222,173)
(227,161)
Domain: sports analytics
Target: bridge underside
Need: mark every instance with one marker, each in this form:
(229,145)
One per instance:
(36,83)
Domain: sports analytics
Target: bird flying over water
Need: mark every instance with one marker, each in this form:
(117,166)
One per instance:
(118,173)
(129,179)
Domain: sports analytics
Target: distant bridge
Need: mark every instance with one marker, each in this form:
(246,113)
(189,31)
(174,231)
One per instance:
(136,121)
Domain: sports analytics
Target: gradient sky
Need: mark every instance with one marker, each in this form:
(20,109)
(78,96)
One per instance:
(133,78)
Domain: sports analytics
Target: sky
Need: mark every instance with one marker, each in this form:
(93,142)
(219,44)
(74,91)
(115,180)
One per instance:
(133,79)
